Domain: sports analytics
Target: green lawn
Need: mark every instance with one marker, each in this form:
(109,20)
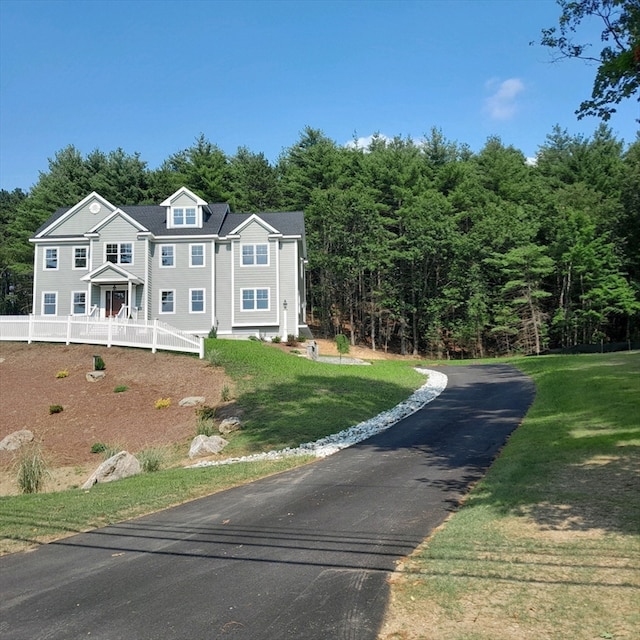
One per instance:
(547,545)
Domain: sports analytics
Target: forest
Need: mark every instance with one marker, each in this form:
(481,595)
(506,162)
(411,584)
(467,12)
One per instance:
(416,246)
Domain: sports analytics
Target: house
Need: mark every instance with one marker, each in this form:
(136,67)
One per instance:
(192,264)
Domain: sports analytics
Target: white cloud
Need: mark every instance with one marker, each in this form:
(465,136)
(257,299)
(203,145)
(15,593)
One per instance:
(501,104)
(364,142)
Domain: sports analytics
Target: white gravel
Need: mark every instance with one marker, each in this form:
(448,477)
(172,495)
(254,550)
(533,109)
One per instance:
(435,385)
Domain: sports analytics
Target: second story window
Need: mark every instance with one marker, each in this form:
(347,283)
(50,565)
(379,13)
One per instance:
(196,255)
(119,252)
(80,257)
(167,255)
(184,216)
(255,254)
(51,258)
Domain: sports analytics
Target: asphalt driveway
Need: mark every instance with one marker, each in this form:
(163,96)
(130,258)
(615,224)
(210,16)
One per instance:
(305,554)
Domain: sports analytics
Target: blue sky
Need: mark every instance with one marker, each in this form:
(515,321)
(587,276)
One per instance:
(150,76)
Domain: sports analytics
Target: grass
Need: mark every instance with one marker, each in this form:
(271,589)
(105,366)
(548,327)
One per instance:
(284,401)
(547,545)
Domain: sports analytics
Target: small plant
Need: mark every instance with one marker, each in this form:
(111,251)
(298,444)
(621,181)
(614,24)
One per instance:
(302,338)
(254,338)
(55,408)
(121,388)
(225,393)
(110,450)
(98,363)
(152,459)
(206,412)
(276,339)
(62,374)
(342,344)
(98,447)
(214,357)
(292,340)
(205,427)
(162,403)
(213,333)
(32,469)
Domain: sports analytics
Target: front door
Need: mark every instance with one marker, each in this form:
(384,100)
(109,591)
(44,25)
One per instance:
(115,300)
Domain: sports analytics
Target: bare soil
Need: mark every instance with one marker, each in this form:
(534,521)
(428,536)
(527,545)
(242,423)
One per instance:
(94,413)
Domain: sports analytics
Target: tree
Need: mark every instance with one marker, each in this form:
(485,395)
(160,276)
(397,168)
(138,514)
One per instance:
(618,74)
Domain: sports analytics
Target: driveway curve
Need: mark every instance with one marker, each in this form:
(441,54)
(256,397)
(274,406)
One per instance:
(304,554)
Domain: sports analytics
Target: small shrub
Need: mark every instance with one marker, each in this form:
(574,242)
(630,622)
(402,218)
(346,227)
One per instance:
(276,339)
(213,333)
(32,469)
(292,341)
(98,364)
(110,450)
(254,338)
(98,447)
(342,344)
(55,408)
(62,374)
(121,388)
(302,338)
(206,412)
(162,403)
(225,393)
(214,357)
(205,427)
(152,459)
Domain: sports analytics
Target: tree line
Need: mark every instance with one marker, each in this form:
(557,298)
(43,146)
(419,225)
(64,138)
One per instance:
(419,246)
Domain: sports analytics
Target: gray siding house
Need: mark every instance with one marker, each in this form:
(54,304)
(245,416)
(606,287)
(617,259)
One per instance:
(191,264)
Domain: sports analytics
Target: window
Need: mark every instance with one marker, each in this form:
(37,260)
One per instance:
(79,307)
(49,303)
(80,257)
(167,255)
(196,255)
(119,252)
(167,301)
(184,216)
(255,299)
(51,258)
(255,254)
(196,300)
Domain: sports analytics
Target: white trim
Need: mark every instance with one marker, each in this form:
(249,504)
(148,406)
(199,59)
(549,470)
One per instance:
(160,311)
(183,191)
(114,214)
(173,256)
(86,247)
(204,300)
(146,292)
(49,293)
(44,259)
(204,255)
(254,218)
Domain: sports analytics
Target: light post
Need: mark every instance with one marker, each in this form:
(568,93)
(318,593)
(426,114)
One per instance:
(284,322)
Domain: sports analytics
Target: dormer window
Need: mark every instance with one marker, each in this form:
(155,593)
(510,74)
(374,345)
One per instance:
(184,216)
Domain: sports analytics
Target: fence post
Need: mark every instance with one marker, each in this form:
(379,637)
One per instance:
(154,344)
(201,353)
(110,331)
(68,329)
(30,336)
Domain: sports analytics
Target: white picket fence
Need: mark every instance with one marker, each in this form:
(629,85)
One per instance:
(119,332)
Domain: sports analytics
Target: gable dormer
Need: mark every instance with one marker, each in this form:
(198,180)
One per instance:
(184,210)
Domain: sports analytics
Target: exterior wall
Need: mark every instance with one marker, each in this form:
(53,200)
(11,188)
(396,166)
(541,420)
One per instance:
(119,230)
(222,284)
(83,219)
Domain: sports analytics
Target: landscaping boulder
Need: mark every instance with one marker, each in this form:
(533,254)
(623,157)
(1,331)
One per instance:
(229,425)
(122,465)
(206,445)
(94,376)
(191,401)
(15,440)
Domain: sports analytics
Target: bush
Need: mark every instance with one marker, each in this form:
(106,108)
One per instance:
(62,374)
(98,447)
(152,459)
(98,364)
(213,333)
(32,469)
(206,412)
(342,344)
(302,338)
(225,394)
(162,403)
(121,388)
(214,357)
(55,408)
(276,339)
(292,341)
